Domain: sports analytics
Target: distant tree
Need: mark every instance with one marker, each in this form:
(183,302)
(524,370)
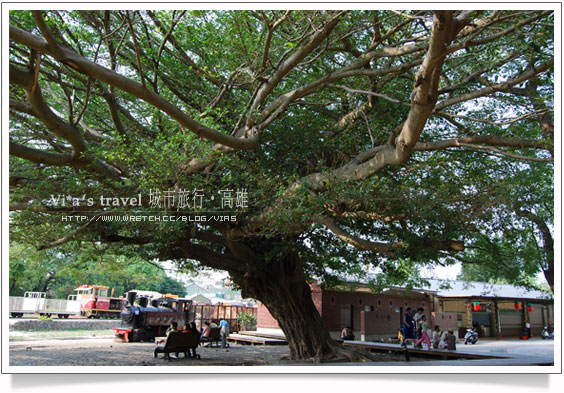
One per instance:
(60,273)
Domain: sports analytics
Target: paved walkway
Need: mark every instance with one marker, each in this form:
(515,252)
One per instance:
(515,352)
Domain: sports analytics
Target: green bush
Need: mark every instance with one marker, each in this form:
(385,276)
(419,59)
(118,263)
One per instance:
(247,319)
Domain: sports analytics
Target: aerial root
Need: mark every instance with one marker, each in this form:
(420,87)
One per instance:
(339,355)
(344,355)
(355,355)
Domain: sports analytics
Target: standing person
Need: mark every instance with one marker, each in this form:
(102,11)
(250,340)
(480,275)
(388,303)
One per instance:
(528,327)
(416,318)
(424,334)
(407,327)
(224,332)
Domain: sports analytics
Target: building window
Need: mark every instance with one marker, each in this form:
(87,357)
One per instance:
(379,302)
(332,300)
(391,304)
(388,317)
(360,301)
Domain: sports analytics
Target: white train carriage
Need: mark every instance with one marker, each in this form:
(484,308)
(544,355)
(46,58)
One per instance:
(37,303)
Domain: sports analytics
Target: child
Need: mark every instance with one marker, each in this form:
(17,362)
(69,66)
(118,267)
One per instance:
(424,335)
(451,340)
(436,337)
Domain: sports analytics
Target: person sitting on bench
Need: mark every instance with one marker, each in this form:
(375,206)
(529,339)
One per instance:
(206,332)
(172,328)
(192,329)
(347,334)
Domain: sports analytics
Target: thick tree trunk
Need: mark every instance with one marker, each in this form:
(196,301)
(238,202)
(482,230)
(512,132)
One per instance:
(272,271)
(281,286)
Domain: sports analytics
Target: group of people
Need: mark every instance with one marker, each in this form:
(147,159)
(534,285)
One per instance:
(223,332)
(205,333)
(416,327)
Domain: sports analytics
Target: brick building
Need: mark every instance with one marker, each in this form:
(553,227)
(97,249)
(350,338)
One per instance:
(501,311)
(447,304)
(370,315)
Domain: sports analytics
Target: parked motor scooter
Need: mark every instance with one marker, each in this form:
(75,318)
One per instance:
(545,334)
(471,336)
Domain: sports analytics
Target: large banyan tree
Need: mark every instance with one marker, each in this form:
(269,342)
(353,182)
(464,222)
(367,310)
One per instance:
(295,144)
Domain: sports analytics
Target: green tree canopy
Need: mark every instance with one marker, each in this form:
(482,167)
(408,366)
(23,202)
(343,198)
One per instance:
(59,271)
(346,141)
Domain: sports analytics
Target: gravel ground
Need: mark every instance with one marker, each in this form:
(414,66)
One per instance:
(106,352)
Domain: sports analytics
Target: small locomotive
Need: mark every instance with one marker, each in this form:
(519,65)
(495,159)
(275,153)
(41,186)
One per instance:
(96,302)
(146,320)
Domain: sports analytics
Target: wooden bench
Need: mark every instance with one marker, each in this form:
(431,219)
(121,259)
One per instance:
(178,342)
(215,337)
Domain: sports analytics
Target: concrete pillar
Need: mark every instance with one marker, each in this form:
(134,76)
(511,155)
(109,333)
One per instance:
(362,325)
(495,320)
(468,313)
(524,315)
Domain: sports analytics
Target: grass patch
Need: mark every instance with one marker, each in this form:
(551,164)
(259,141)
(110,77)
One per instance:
(54,334)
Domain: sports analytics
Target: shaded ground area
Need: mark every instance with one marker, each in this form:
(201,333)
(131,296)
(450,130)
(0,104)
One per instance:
(80,347)
(106,352)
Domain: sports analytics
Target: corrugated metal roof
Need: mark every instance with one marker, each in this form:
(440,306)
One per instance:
(453,288)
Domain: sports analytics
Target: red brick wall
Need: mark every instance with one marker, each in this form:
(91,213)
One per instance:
(379,304)
(386,322)
(382,320)
(445,320)
(266,321)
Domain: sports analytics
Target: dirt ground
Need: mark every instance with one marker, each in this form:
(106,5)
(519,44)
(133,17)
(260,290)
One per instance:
(106,352)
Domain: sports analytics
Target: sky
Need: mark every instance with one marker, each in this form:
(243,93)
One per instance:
(440,272)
